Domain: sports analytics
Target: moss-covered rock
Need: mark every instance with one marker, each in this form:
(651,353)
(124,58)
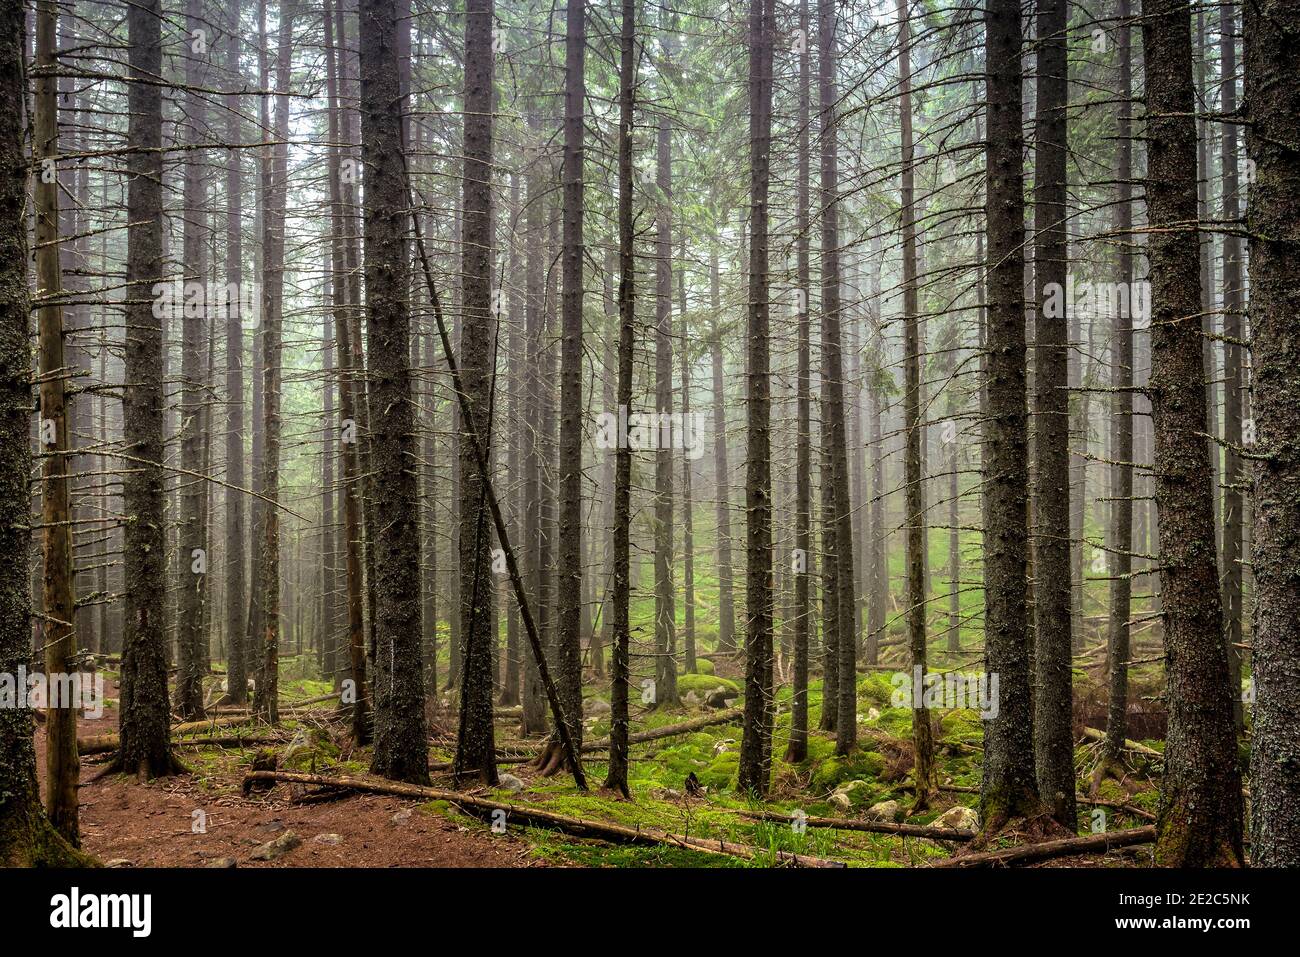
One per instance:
(703,684)
(834,771)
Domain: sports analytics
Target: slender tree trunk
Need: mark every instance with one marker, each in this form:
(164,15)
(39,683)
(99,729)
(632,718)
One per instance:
(475,748)
(266,699)
(797,750)
(346,429)
(1234,475)
(721,468)
(834,418)
(192,558)
(688,461)
(534,712)
(1008,789)
(755,768)
(922,732)
(1120,565)
(1053,734)
(236,557)
(144,712)
(665,598)
(619,662)
(58,626)
(569,580)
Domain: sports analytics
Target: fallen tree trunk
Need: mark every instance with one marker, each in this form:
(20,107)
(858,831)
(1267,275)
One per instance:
(1092,734)
(537,817)
(873,827)
(1031,853)
(103,743)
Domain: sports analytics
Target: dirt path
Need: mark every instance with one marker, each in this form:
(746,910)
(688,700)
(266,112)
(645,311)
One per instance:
(156,824)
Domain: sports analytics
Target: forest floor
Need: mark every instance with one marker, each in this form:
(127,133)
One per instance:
(203,819)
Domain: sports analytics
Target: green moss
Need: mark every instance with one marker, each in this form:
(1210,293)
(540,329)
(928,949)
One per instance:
(704,683)
(875,688)
(834,771)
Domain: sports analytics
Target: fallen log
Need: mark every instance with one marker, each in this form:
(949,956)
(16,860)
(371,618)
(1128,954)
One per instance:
(1116,805)
(536,817)
(1032,853)
(1092,734)
(102,743)
(873,827)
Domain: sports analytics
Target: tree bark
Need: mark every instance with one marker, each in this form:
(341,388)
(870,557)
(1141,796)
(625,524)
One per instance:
(1053,735)
(922,732)
(27,839)
(475,748)
(569,593)
(1008,789)
(58,625)
(1200,800)
(755,765)
(144,712)
(1273,111)
(619,661)
(401,745)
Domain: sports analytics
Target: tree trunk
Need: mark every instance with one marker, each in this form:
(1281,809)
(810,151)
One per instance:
(266,699)
(236,556)
(619,662)
(1200,800)
(475,748)
(665,599)
(1053,735)
(833,413)
(755,767)
(1008,789)
(27,838)
(1273,112)
(57,628)
(1234,474)
(1120,565)
(192,538)
(401,746)
(797,750)
(569,565)
(922,732)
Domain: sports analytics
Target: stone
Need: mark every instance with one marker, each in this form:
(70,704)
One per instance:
(272,850)
(958,818)
(884,811)
(840,801)
(222,862)
(328,839)
(508,782)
